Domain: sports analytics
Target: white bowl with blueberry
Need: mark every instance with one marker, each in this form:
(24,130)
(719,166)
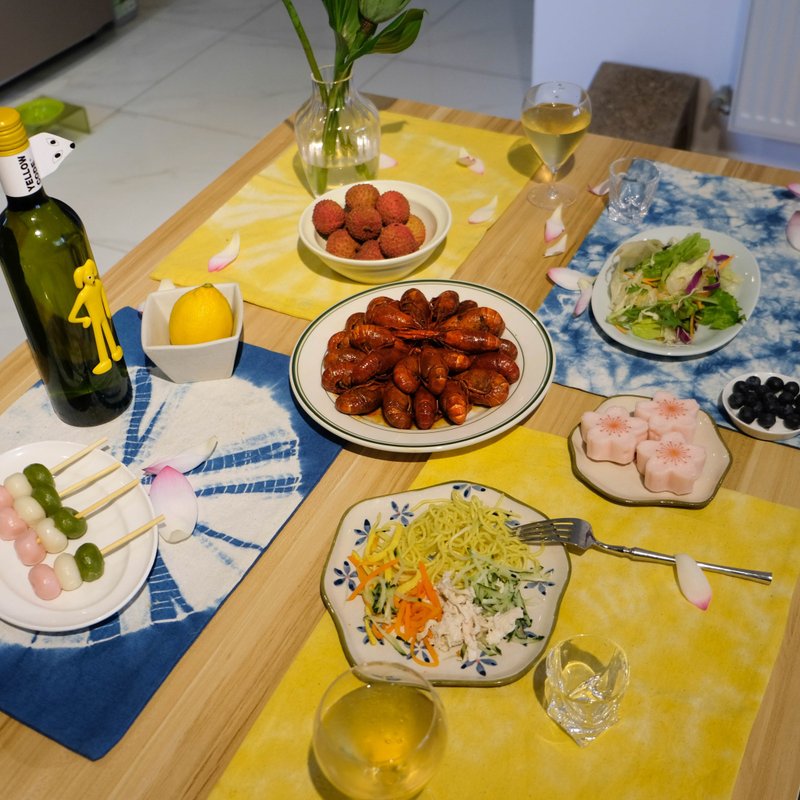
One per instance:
(765,405)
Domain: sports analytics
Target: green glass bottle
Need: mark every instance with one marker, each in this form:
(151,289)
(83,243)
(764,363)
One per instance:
(53,279)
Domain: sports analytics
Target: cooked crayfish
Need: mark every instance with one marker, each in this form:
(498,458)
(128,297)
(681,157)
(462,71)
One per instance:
(420,361)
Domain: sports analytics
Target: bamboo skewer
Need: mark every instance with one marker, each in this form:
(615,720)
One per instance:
(123,540)
(86,481)
(75,456)
(107,499)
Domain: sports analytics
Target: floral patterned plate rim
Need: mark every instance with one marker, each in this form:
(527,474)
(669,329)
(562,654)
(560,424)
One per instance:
(542,598)
(125,570)
(622,483)
(536,360)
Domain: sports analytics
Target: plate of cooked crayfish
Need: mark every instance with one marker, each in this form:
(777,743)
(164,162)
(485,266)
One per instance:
(422,366)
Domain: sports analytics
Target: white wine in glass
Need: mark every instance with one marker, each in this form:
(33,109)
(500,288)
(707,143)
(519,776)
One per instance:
(555,116)
(379,732)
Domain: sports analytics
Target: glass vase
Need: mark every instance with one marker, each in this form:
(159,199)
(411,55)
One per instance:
(338,134)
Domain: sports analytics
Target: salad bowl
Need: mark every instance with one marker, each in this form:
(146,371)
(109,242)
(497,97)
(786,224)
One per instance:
(542,597)
(706,339)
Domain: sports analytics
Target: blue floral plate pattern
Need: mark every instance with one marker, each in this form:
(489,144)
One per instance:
(542,597)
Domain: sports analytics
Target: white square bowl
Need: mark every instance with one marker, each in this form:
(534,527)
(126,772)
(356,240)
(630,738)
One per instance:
(188,363)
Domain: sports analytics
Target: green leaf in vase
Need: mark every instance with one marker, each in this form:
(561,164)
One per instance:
(399,34)
(378,11)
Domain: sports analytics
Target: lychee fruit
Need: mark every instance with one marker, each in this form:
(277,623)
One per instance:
(363,223)
(362,194)
(341,243)
(396,240)
(370,251)
(327,217)
(393,207)
(417,227)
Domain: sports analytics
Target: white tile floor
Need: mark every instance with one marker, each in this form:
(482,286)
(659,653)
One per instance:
(176,95)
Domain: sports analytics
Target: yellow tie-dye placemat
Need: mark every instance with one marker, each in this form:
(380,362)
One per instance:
(697,678)
(273,269)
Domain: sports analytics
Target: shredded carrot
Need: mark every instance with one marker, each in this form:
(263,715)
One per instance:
(369,576)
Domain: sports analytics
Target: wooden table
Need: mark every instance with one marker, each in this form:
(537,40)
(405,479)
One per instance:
(189,731)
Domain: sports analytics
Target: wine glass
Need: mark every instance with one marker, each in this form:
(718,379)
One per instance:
(379,732)
(555,116)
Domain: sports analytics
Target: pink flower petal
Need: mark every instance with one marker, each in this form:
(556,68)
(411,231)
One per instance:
(600,188)
(554,226)
(793,230)
(566,278)
(185,460)
(692,581)
(584,299)
(172,495)
(468,160)
(556,249)
(225,256)
(386,162)
(794,188)
(484,213)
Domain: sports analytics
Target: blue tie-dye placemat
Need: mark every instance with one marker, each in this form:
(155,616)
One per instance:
(85,689)
(754,213)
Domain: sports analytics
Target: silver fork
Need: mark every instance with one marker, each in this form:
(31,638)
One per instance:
(578,533)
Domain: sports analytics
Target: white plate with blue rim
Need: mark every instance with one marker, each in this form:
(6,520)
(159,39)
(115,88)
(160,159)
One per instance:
(542,596)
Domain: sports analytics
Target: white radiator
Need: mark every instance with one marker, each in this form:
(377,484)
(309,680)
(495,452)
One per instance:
(766,99)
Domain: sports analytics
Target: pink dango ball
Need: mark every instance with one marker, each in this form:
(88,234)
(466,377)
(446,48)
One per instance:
(29,549)
(44,581)
(12,526)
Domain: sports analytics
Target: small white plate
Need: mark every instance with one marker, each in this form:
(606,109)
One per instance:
(536,361)
(126,569)
(705,340)
(623,483)
(542,598)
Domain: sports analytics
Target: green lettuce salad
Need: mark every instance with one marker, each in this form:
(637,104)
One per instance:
(665,292)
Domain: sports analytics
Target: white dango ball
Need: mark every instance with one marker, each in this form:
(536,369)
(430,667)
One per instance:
(53,540)
(29,509)
(17,485)
(67,572)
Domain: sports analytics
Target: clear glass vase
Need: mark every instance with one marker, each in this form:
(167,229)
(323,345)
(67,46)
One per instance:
(338,134)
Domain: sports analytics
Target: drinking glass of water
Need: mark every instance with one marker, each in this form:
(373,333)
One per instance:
(631,188)
(379,732)
(586,678)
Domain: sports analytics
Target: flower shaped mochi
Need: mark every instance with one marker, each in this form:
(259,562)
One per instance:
(612,435)
(670,464)
(665,414)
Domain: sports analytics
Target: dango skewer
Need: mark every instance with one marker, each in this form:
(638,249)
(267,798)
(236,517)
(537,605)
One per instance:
(88,564)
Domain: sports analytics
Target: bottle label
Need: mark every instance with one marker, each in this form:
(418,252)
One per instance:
(19,175)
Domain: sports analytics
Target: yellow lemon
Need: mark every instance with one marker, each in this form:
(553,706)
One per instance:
(201,315)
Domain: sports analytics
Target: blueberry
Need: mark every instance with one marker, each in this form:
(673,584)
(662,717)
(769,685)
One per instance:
(766,420)
(785,397)
(740,386)
(774,383)
(784,410)
(746,414)
(753,380)
(792,386)
(792,421)
(771,402)
(736,399)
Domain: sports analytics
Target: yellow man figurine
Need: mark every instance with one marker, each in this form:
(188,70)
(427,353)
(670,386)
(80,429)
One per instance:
(92,297)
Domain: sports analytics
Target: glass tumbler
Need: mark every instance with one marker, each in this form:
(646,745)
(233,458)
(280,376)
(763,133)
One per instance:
(586,679)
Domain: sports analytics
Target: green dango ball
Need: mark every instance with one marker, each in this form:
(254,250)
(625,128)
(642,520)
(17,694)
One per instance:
(90,562)
(71,526)
(38,473)
(47,497)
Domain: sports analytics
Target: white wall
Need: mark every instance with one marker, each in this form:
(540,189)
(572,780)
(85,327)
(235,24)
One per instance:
(571,38)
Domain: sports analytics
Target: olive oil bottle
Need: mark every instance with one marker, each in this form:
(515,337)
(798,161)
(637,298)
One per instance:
(54,282)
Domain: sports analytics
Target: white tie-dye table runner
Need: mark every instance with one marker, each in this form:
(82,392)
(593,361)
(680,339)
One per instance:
(266,462)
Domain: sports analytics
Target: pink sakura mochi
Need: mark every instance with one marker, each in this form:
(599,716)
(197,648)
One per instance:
(665,414)
(612,435)
(670,464)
